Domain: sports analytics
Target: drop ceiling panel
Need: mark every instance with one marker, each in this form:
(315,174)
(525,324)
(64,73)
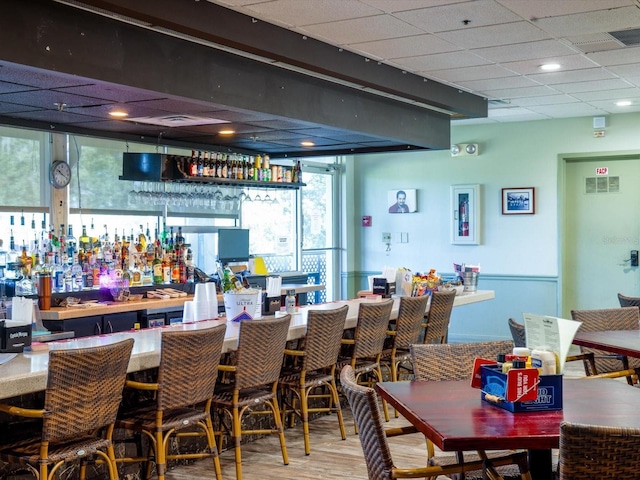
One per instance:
(568,110)
(623,56)
(592,86)
(450,17)
(567,63)
(406,47)
(490,36)
(620,94)
(361,30)
(296,12)
(525,51)
(611,107)
(538,10)
(520,92)
(481,72)
(591,22)
(544,100)
(443,61)
(498,83)
(570,76)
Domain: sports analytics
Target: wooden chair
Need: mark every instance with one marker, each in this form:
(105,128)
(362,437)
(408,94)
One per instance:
(598,452)
(520,340)
(368,342)
(438,317)
(517,333)
(254,382)
(83,393)
(454,361)
(315,370)
(626,301)
(185,384)
(408,327)
(624,318)
(373,438)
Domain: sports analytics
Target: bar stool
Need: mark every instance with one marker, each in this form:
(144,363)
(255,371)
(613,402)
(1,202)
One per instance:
(261,345)
(186,380)
(316,370)
(84,390)
(368,342)
(436,327)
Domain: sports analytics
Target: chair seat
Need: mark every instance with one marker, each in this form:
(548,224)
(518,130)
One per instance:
(224,396)
(292,378)
(508,472)
(145,419)
(362,365)
(28,450)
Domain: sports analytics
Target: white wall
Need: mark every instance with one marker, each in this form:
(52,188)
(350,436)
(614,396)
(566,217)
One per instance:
(519,254)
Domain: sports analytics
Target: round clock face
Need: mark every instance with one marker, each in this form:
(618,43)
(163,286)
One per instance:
(60,174)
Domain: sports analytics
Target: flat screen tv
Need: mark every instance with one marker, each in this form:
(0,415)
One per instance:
(233,245)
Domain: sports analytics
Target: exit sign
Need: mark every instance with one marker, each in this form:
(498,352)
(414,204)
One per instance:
(602,171)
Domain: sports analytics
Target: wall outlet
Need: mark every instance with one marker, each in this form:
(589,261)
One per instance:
(386,237)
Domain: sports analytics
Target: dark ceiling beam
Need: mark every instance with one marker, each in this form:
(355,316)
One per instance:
(217,24)
(60,38)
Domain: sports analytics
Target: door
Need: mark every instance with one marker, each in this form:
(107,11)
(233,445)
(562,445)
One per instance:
(602,227)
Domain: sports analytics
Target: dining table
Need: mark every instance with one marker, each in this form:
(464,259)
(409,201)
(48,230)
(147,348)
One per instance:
(621,342)
(454,417)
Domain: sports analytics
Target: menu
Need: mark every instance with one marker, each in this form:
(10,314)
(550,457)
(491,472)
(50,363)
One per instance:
(552,332)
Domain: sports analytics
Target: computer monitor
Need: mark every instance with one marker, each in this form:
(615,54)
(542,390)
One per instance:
(233,245)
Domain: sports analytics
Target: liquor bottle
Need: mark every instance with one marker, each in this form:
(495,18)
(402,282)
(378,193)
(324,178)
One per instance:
(166,268)
(193,164)
(199,165)
(84,241)
(189,266)
(205,164)
(257,166)
(219,166)
(225,167)
(157,268)
(266,169)
(241,168)
(71,243)
(179,237)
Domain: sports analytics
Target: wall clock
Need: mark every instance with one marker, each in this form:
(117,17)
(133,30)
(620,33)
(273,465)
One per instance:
(60,174)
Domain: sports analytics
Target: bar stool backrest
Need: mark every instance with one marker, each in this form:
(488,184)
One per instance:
(84,389)
(626,301)
(409,321)
(260,351)
(371,329)
(453,361)
(439,316)
(322,342)
(189,366)
(517,333)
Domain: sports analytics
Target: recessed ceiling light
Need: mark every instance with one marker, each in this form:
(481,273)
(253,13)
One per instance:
(550,67)
(227,132)
(118,113)
(307,143)
(623,103)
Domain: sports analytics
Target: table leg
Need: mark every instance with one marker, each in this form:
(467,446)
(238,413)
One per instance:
(540,464)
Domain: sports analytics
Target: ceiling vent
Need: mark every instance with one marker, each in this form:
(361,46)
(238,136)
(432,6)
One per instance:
(177,120)
(628,38)
(596,42)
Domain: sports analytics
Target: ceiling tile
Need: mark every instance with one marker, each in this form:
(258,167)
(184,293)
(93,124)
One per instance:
(544,100)
(498,83)
(524,51)
(568,110)
(583,75)
(450,17)
(624,56)
(441,61)
(492,35)
(361,30)
(481,72)
(404,47)
(536,10)
(520,92)
(591,22)
(567,62)
(592,86)
(618,94)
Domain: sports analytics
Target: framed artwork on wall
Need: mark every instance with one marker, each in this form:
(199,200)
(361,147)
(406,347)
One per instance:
(518,201)
(465,220)
(402,201)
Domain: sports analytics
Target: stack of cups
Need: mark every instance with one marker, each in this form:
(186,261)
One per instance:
(204,305)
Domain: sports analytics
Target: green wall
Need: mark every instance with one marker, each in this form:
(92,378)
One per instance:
(525,247)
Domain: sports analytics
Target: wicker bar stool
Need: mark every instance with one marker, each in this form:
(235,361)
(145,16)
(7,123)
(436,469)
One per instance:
(83,393)
(373,438)
(624,318)
(183,391)
(454,361)
(368,342)
(254,382)
(626,301)
(408,327)
(436,326)
(316,370)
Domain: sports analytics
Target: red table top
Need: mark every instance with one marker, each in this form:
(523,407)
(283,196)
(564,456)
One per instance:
(622,342)
(453,417)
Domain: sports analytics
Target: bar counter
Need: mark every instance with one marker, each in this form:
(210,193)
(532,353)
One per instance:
(27,372)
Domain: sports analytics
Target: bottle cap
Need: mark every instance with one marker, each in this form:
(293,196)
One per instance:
(500,358)
(519,364)
(521,351)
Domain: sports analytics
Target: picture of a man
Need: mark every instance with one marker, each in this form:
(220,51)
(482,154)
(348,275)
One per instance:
(400,206)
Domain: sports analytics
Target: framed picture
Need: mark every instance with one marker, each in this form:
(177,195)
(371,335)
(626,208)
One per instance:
(402,200)
(518,201)
(465,219)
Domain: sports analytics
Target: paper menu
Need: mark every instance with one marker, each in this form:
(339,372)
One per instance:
(555,333)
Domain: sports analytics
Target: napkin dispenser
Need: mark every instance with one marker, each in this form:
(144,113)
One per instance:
(382,287)
(270,305)
(14,336)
